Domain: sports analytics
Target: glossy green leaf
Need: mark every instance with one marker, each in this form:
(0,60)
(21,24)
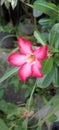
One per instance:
(54,36)
(46,80)
(46,7)
(8,74)
(3,126)
(56,78)
(39,37)
(45,21)
(47,65)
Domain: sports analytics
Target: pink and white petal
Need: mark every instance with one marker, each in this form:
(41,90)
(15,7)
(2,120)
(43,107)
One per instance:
(25,72)
(41,52)
(36,72)
(25,46)
(16,59)
(38,64)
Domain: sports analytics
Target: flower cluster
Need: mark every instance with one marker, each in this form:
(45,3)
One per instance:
(28,59)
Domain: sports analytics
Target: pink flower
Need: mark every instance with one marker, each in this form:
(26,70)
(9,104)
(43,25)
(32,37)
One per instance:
(28,114)
(28,59)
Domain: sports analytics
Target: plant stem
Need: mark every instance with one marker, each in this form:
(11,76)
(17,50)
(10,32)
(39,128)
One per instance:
(16,49)
(30,99)
(13,125)
(29,103)
(35,25)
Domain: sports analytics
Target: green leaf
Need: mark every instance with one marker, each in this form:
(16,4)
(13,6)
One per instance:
(3,126)
(25,124)
(18,128)
(57,61)
(56,77)
(12,108)
(38,128)
(45,21)
(54,50)
(14,3)
(52,118)
(8,108)
(46,7)
(46,80)
(39,37)
(1,2)
(7,4)
(47,65)
(3,106)
(54,36)
(8,74)
(1,93)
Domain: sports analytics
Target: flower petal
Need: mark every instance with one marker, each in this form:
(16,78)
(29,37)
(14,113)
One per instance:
(36,70)
(41,52)
(17,59)
(25,46)
(24,72)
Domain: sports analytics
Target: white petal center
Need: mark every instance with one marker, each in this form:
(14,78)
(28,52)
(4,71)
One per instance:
(31,58)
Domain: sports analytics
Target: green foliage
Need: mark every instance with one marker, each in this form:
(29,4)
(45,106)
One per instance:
(11,116)
(46,7)
(53,118)
(18,128)
(1,93)
(53,106)
(46,80)
(57,60)
(46,22)
(54,36)
(39,37)
(7,108)
(14,3)
(8,74)
(7,28)
(56,77)
(47,65)
(3,126)
(7,3)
